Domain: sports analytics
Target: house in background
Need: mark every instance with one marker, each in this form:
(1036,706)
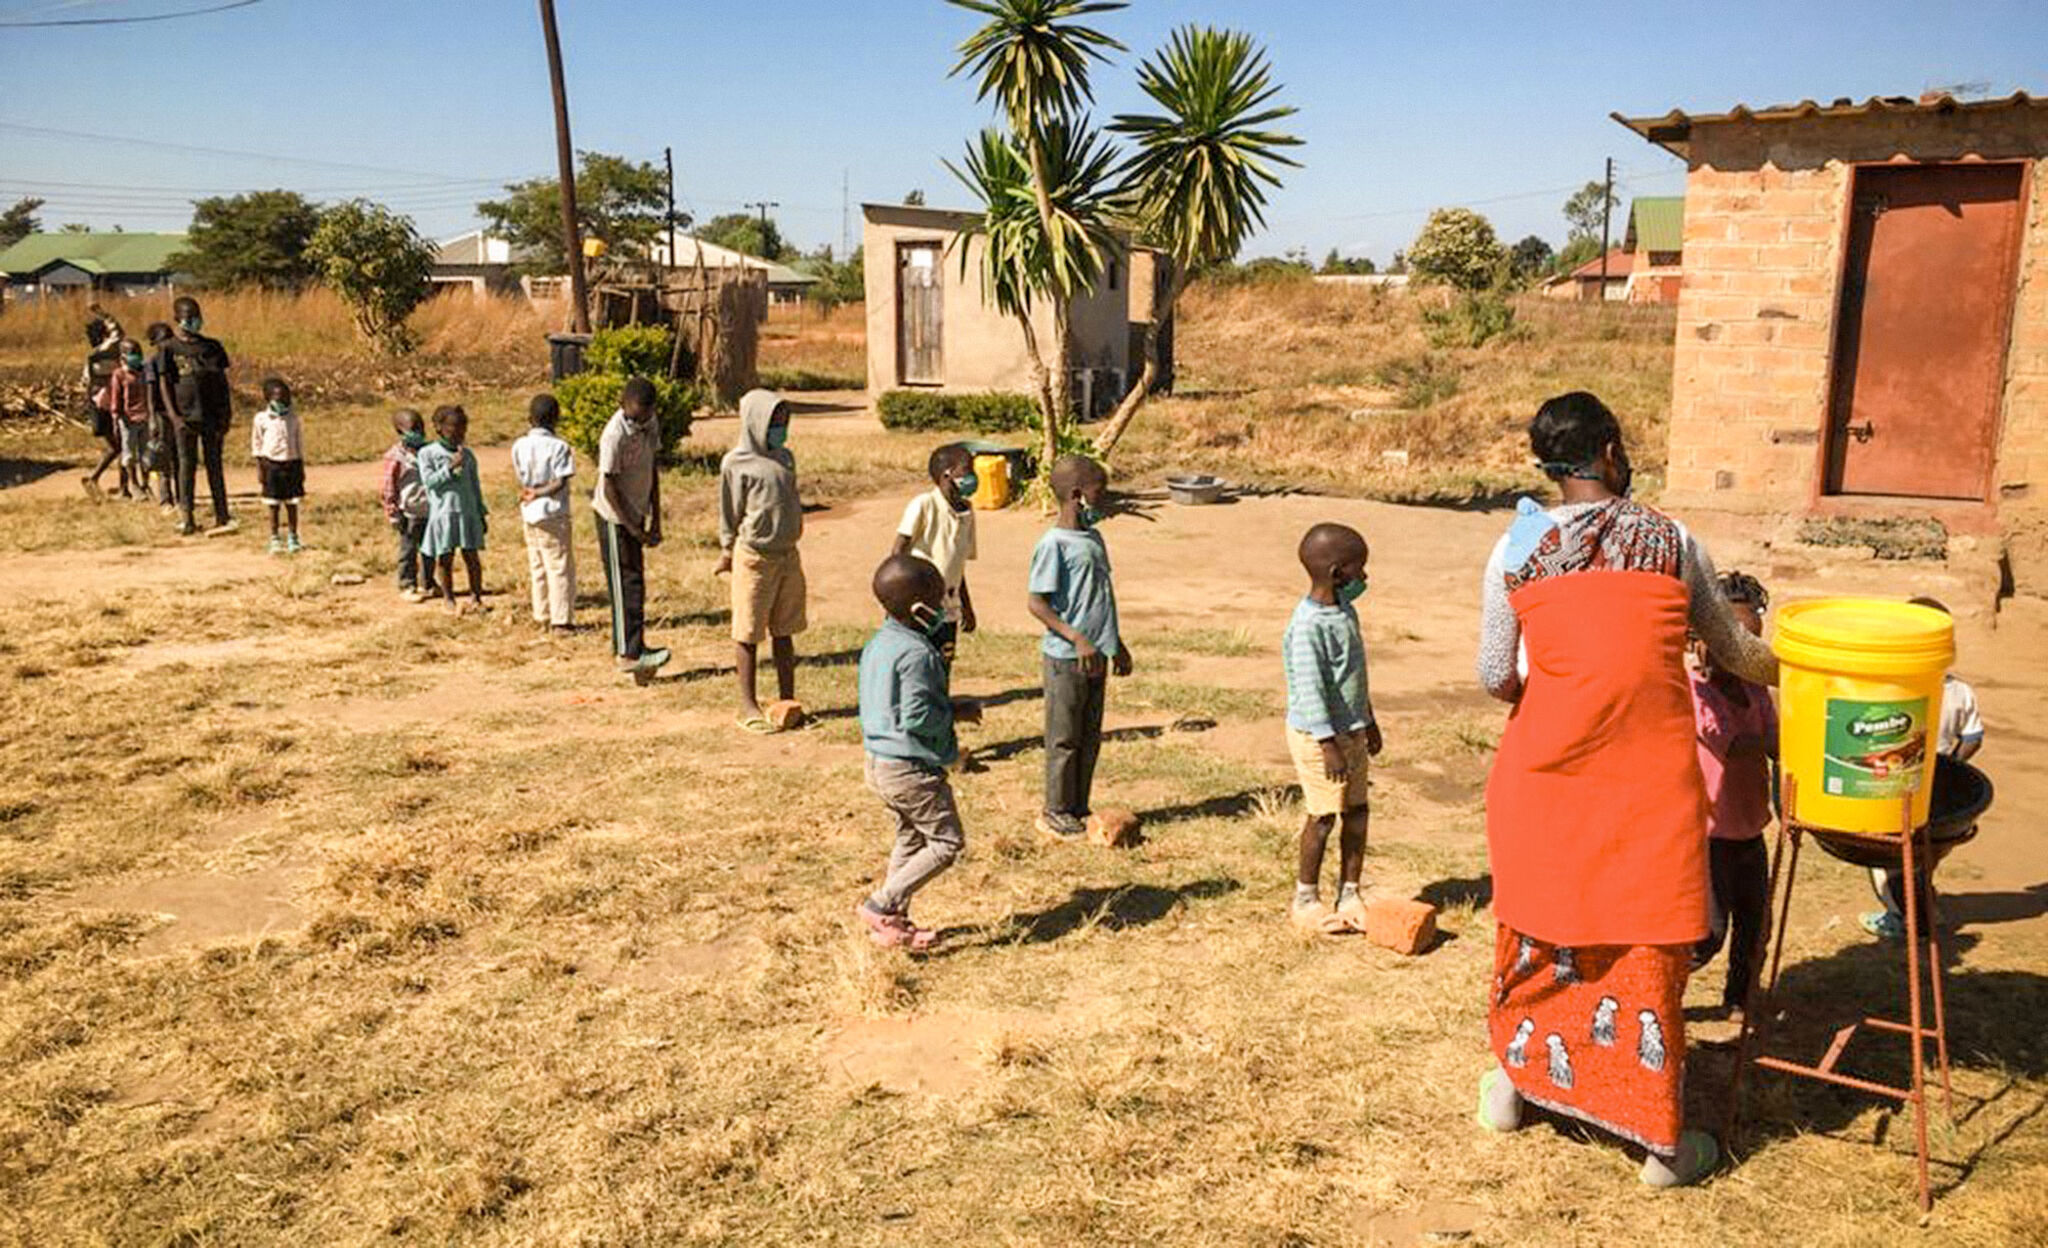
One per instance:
(1863,325)
(1656,240)
(1586,284)
(107,263)
(478,261)
(686,251)
(929,326)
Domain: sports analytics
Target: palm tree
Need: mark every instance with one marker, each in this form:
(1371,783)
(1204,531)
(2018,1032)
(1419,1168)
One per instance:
(1022,263)
(1032,57)
(1197,178)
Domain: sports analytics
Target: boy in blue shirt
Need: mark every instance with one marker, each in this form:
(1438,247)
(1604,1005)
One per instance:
(906,725)
(1331,732)
(1071,594)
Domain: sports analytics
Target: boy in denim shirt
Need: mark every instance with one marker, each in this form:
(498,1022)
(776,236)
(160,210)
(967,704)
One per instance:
(906,725)
(1072,595)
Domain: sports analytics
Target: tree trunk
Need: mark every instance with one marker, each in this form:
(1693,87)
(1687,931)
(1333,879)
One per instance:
(1048,427)
(1127,408)
(1061,311)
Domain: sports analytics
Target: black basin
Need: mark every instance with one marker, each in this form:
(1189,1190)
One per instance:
(1961,794)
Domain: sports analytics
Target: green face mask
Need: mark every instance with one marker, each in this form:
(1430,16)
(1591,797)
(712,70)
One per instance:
(413,438)
(965,486)
(278,407)
(1351,591)
(778,437)
(931,619)
(1088,514)
(132,361)
(191,324)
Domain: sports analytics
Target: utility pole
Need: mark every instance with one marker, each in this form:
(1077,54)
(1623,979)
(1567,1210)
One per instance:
(764,205)
(1606,211)
(565,159)
(668,162)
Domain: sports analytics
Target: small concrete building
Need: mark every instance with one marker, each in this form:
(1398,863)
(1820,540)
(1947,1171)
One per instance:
(479,262)
(928,326)
(1863,325)
(1656,241)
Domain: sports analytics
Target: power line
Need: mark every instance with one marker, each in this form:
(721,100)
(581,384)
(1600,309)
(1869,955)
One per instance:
(125,21)
(161,145)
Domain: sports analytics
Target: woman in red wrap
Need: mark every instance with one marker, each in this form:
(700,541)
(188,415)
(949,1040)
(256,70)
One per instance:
(1596,817)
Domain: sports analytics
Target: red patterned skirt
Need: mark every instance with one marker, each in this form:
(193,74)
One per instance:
(1596,1033)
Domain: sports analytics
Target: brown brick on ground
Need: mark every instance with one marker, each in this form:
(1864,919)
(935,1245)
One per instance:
(785,715)
(1407,927)
(1115,828)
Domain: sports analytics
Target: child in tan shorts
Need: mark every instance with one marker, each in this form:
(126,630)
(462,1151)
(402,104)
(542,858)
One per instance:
(760,520)
(1331,732)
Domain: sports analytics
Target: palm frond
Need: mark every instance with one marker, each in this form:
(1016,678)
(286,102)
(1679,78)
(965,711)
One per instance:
(1032,56)
(1022,260)
(1199,169)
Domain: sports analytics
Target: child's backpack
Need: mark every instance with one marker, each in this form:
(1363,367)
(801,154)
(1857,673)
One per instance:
(412,496)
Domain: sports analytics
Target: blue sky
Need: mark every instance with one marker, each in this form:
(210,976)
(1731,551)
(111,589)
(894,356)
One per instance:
(428,104)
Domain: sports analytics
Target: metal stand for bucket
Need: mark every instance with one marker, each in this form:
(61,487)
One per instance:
(1756,1016)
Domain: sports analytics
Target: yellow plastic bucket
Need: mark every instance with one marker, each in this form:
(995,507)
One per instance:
(1859,696)
(993,471)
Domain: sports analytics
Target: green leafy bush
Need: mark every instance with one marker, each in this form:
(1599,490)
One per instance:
(590,397)
(993,412)
(1470,321)
(808,379)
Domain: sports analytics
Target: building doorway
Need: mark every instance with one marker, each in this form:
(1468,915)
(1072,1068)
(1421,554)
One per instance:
(920,315)
(1925,307)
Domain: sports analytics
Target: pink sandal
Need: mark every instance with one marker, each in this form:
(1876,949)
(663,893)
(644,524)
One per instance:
(895,931)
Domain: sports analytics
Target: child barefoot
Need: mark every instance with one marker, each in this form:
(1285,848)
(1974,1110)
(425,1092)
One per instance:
(938,527)
(1738,737)
(1331,732)
(906,723)
(405,506)
(275,444)
(455,505)
(1071,594)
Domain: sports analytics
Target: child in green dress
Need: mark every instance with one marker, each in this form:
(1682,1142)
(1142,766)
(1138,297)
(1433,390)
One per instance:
(455,505)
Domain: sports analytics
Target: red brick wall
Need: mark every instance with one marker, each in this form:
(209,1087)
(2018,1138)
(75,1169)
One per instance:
(1764,219)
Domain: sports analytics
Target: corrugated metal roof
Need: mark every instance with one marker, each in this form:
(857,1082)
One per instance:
(1619,264)
(1657,223)
(1673,130)
(92,252)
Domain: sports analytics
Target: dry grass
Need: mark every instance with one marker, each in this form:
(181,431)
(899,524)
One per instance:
(818,348)
(1337,388)
(564,962)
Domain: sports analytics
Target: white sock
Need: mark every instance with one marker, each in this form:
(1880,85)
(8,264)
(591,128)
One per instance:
(1306,895)
(1347,892)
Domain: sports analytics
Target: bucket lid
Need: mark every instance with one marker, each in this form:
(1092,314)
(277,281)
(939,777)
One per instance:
(1868,633)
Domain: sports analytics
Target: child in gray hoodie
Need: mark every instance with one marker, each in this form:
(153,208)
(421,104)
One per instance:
(759,521)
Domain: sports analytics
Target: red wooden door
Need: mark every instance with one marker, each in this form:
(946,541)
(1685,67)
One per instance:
(1926,302)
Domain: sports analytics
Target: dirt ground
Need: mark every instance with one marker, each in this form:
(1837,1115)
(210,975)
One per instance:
(579,955)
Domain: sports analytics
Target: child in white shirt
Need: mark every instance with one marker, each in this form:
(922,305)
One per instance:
(280,454)
(938,527)
(543,462)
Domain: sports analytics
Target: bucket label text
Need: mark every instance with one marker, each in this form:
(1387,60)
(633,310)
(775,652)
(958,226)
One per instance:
(1874,749)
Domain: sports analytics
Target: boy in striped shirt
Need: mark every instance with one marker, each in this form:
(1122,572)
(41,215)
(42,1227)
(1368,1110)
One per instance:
(1331,732)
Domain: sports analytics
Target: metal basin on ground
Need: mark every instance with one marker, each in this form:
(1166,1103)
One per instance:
(1195,490)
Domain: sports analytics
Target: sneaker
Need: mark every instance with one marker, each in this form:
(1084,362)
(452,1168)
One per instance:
(653,660)
(1060,825)
(292,544)
(186,528)
(276,544)
(224,528)
(1884,925)
(409,593)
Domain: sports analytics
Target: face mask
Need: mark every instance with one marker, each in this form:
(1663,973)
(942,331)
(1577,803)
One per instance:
(964,487)
(132,361)
(1351,591)
(191,324)
(278,407)
(778,437)
(448,443)
(1088,514)
(413,438)
(931,619)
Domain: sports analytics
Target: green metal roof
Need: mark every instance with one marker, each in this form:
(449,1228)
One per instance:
(94,253)
(1657,223)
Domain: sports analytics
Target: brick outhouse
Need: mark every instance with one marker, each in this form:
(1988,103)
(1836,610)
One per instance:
(1863,318)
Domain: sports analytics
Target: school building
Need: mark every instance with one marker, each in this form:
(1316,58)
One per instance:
(1863,316)
(929,326)
(104,262)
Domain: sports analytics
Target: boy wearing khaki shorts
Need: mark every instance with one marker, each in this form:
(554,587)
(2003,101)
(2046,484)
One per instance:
(760,519)
(1331,732)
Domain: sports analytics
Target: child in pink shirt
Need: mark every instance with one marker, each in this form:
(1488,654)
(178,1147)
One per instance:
(1738,740)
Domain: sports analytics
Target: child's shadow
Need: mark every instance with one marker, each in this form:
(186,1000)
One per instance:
(1112,909)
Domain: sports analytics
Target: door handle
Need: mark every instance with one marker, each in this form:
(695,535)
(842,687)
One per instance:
(1863,432)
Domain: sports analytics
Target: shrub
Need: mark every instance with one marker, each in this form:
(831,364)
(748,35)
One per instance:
(590,397)
(1457,247)
(1470,321)
(994,412)
(808,379)
(379,265)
